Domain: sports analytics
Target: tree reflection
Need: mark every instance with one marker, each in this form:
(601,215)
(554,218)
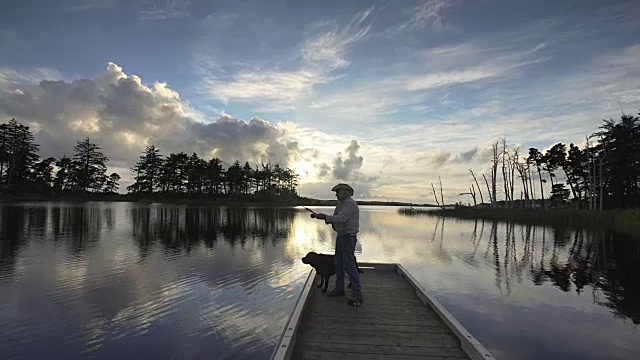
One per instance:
(606,263)
(181,228)
(78,225)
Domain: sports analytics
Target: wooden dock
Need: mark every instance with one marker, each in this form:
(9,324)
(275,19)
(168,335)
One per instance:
(398,320)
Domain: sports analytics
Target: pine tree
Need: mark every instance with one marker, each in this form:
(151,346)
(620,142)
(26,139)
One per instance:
(111,185)
(147,171)
(90,169)
(18,153)
(64,176)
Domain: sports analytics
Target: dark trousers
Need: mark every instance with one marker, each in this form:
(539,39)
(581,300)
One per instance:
(345,259)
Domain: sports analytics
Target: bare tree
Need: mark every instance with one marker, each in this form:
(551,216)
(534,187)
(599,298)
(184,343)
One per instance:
(494,174)
(471,192)
(505,179)
(433,188)
(441,197)
(522,171)
(590,176)
(478,185)
(530,175)
(513,161)
(488,189)
(473,195)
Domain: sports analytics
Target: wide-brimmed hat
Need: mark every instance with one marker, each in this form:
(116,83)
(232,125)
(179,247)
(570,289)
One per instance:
(343,187)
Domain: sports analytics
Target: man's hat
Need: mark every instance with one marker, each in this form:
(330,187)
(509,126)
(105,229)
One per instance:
(343,187)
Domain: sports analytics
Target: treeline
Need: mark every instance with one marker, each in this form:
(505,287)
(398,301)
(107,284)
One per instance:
(604,174)
(184,174)
(22,170)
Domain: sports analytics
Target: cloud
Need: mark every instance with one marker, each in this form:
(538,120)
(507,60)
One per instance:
(324,170)
(123,115)
(328,46)
(86,5)
(26,75)
(282,88)
(344,169)
(440,159)
(280,84)
(348,168)
(147,10)
(428,13)
(431,81)
(467,156)
(167,9)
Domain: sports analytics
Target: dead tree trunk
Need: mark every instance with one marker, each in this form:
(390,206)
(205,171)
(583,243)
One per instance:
(478,186)
(513,161)
(505,180)
(494,175)
(590,179)
(488,189)
(441,196)
(435,195)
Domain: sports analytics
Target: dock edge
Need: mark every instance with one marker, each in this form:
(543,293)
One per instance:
(287,341)
(469,344)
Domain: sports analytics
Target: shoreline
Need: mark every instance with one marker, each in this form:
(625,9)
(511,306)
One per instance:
(237,200)
(627,221)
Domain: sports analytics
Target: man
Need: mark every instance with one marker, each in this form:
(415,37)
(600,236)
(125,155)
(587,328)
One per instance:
(345,221)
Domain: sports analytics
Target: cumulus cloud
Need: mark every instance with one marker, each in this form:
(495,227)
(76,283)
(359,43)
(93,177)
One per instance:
(345,167)
(348,168)
(123,115)
(324,170)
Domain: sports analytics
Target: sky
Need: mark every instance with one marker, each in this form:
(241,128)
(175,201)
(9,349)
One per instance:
(387,96)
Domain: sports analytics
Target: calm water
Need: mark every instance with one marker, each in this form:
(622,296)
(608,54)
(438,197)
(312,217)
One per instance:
(123,280)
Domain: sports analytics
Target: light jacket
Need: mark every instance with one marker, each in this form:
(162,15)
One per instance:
(346,217)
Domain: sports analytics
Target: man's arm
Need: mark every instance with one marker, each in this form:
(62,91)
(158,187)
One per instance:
(347,210)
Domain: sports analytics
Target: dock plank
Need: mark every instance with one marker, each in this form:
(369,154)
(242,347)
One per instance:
(383,350)
(391,324)
(318,355)
(385,328)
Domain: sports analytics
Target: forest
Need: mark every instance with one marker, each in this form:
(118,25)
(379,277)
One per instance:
(22,171)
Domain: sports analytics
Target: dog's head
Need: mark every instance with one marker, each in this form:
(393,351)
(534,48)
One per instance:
(310,258)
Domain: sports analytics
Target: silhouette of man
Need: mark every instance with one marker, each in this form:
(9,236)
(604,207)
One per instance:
(345,221)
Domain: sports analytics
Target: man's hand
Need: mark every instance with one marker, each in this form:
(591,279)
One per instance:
(319,216)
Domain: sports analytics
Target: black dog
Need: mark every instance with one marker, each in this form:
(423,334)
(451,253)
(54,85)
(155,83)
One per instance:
(324,265)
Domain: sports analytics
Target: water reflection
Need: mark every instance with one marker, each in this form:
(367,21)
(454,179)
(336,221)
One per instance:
(116,280)
(600,262)
(112,280)
(183,228)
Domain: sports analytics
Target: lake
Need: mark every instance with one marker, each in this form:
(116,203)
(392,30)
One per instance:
(107,280)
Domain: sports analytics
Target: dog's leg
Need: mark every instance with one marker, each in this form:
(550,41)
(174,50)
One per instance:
(326,284)
(321,282)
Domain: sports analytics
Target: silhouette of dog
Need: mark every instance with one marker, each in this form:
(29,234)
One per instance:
(324,265)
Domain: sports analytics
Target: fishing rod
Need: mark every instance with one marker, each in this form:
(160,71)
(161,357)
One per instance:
(313,212)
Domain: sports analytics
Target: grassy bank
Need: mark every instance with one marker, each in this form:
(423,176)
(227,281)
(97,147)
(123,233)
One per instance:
(619,220)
